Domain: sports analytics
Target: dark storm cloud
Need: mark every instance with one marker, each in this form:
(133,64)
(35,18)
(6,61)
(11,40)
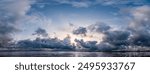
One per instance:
(99,27)
(80,31)
(53,43)
(117,37)
(94,45)
(140,40)
(41,32)
(86,45)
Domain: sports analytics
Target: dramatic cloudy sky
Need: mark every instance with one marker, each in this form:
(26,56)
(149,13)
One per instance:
(109,23)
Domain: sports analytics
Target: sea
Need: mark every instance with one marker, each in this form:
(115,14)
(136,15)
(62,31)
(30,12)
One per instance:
(46,52)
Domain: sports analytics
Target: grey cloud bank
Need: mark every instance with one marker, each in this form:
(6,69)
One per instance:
(53,43)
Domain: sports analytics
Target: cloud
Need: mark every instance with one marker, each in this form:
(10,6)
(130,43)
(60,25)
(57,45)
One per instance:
(41,32)
(105,46)
(86,45)
(11,12)
(5,32)
(82,3)
(93,45)
(140,25)
(111,40)
(99,27)
(135,36)
(15,9)
(53,43)
(80,31)
(88,3)
(121,2)
(117,38)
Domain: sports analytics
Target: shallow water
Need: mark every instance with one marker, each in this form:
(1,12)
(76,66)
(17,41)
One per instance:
(13,52)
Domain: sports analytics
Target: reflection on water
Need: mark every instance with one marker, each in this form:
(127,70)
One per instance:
(13,52)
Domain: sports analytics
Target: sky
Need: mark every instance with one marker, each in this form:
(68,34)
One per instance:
(108,22)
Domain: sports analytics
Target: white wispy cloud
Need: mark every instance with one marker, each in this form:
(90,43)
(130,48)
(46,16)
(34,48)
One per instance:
(88,3)
(82,3)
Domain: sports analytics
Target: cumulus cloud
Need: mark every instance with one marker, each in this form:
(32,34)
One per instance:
(11,12)
(113,39)
(93,45)
(80,31)
(117,37)
(53,43)
(135,36)
(86,45)
(41,32)
(140,25)
(99,27)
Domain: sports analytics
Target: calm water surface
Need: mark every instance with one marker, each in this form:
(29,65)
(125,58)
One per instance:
(19,52)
